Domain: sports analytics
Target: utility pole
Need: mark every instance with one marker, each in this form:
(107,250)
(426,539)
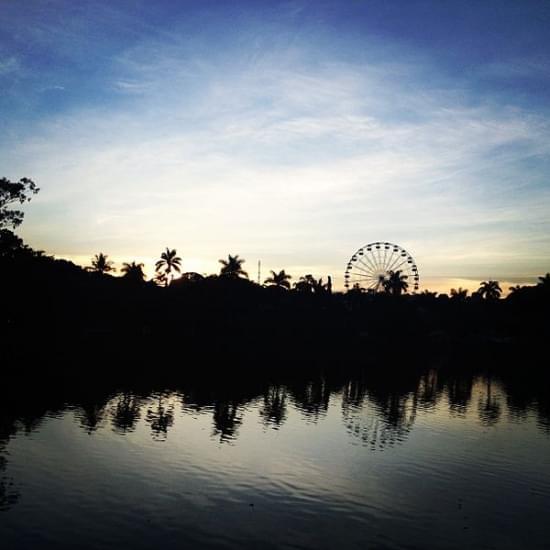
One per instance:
(259,271)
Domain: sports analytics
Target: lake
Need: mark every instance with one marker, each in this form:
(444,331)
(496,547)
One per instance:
(431,459)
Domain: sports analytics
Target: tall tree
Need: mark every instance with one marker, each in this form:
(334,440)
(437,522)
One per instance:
(280,280)
(133,272)
(490,290)
(101,264)
(13,192)
(309,284)
(168,263)
(233,267)
(396,283)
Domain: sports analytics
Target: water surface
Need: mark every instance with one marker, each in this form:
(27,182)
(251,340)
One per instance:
(430,461)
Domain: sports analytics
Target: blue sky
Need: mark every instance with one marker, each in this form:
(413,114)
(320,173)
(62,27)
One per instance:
(291,132)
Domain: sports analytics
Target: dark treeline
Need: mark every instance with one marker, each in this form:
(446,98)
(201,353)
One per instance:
(55,310)
(55,307)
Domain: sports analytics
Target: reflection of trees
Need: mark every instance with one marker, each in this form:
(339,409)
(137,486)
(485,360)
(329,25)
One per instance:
(8,493)
(126,412)
(428,391)
(227,419)
(91,415)
(160,418)
(312,398)
(385,424)
(459,392)
(489,405)
(274,406)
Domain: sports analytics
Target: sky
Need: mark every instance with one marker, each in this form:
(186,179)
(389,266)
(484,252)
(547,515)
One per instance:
(291,132)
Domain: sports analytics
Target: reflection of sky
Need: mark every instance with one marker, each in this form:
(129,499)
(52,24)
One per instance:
(311,483)
(291,132)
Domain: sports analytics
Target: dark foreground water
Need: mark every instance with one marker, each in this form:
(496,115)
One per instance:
(432,461)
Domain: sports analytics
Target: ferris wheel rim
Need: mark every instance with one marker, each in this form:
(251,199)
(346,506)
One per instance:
(371,265)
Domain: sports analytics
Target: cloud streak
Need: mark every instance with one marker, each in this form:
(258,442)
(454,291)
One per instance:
(290,156)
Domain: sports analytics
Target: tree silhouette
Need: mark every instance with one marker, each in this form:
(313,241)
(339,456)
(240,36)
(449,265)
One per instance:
(396,283)
(12,192)
(280,280)
(459,294)
(133,272)
(356,289)
(160,279)
(544,282)
(310,285)
(100,264)
(232,267)
(515,289)
(169,261)
(490,290)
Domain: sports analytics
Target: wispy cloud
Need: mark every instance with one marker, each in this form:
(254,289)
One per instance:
(290,157)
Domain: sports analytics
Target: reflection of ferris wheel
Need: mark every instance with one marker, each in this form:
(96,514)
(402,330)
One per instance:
(373,264)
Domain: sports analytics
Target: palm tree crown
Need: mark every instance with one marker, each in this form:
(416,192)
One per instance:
(309,284)
(490,290)
(396,283)
(169,261)
(281,279)
(233,267)
(100,264)
(133,272)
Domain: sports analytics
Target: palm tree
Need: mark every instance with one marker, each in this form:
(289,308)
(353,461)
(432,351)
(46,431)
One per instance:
(169,261)
(280,280)
(309,284)
(490,290)
(100,264)
(233,267)
(306,283)
(460,294)
(396,283)
(133,272)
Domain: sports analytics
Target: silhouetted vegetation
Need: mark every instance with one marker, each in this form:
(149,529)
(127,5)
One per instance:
(169,263)
(58,306)
(101,264)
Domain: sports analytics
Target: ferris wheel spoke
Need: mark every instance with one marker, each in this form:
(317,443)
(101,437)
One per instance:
(370,267)
(363,277)
(403,262)
(381,254)
(369,260)
(362,283)
(379,258)
(389,262)
(361,269)
(376,259)
(397,259)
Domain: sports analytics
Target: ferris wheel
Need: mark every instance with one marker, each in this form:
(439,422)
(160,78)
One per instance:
(372,265)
